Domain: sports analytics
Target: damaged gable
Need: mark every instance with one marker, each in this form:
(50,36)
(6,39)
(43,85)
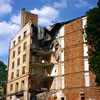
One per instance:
(43,37)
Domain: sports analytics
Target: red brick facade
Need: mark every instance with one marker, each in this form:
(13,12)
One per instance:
(74,65)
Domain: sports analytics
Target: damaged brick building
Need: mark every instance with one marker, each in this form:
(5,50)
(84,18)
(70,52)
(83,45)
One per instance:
(50,63)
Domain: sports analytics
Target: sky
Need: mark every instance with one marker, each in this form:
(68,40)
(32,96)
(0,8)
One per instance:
(48,11)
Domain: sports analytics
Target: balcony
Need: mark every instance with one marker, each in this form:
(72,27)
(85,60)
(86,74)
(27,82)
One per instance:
(42,52)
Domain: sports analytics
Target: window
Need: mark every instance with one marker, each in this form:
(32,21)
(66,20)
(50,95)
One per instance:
(62,68)
(33,71)
(13,43)
(62,98)
(56,70)
(13,64)
(19,38)
(24,58)
(85,50)
(19,48)
(18,61)
(22,85)
(13,54)
(56,83)
(63,83)
(87,80)
(24,34)
(17,73)
(16,87)
(23,70)
(62,42)
(86,65)
(24,46)
(11,86)
(62,55)
(12,75)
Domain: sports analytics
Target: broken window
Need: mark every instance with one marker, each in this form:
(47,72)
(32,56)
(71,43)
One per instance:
(13,64)
(16,87)
(24,34)
(45,72)
(33,71)
(13,43)
(19,38)
(23,85)
(12,75)
(18,61)
(23,70)
(13,54)
(24,46)
(62,55)
(17,73)
(11,86)
(24,58)
(19,49)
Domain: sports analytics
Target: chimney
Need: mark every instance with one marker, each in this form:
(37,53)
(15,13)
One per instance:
(23,17)
(26,17)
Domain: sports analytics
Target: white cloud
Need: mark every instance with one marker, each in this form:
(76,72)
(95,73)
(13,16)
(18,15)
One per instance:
(82,3)
(5,7)
(62,4)
(4,45)
(8,28)
(46,15)
(16,19)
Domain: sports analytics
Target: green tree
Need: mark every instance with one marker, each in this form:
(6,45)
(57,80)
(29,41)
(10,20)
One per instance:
(93,40)
(3,75)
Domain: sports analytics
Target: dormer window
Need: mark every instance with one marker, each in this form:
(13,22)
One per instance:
(24,34)
(13,43)
(19,38)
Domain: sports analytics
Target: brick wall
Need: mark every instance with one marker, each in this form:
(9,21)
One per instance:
(74,65)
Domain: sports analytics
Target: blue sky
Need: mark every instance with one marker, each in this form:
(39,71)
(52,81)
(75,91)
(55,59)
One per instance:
(48,11)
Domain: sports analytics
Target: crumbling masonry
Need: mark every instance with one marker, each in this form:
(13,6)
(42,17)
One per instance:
(50,63)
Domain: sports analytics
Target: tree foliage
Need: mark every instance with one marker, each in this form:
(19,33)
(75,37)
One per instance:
(93,40)
(3,75)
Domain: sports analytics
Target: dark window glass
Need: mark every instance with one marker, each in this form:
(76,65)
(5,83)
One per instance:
(18,61)
(23,70)
(24,58)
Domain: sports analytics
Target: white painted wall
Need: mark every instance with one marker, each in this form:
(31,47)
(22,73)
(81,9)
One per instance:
(62,68)
(20,33)
(62,55)
(61,32)
(63,82)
